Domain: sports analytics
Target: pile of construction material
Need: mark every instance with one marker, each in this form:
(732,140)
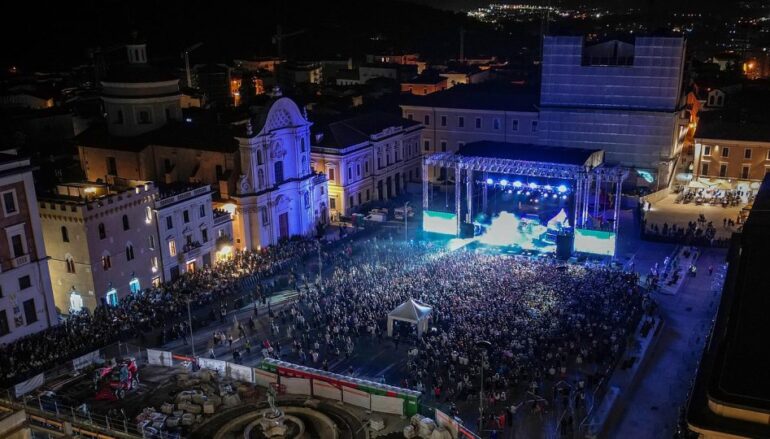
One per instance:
(425,428)
(204,393)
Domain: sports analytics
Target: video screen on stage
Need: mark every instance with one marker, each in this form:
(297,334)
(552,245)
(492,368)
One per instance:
(596,242)
(439,222)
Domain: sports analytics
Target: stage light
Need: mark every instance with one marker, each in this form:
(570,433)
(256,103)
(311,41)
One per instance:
(503,182)
(518,192)
(533,185)
(490,181)
(555,196)
(537,200)
(510,191)
(562,188)
(563,197)
(516,184)
(527,193)
(548,187)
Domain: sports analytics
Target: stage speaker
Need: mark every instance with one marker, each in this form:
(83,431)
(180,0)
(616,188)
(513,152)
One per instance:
(466,230)
(564,243)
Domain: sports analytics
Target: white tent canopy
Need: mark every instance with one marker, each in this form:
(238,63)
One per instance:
(413,312)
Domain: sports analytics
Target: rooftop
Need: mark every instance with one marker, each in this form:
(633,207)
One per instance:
(733,371)
(137,73)
(745,117)
(201,136)
(485,96)
(358,129)
(527,152)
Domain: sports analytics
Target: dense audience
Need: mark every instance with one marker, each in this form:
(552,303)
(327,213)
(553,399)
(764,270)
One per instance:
(546,321)
(137,315)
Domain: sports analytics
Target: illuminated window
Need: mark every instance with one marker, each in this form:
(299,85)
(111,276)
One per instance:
(106,262)
(172,247)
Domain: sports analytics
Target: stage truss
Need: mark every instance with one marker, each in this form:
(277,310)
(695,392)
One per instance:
(588,182)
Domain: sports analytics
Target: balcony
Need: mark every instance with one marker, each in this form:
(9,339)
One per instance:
(221,216)
(190,251)
(19,261)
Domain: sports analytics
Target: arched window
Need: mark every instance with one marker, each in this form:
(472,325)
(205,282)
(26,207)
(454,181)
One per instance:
(129,252)
(302,144)
(65,237)
(70,264)
(125,222)
(259,157)
(106,262)
(148,215)
(278,172)
(102,231)
(261,178)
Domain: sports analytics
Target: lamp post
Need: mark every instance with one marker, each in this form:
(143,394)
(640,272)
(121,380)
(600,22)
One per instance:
(406,216)
(189,322)
(484,346)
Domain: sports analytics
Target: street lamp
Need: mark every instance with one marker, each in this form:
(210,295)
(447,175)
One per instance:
(484,346)
(189,322)
(406,216)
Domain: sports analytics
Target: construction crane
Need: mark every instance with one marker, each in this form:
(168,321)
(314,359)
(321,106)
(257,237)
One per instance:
(280,36)
(186,56)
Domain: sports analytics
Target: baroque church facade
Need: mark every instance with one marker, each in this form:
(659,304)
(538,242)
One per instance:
(278,195)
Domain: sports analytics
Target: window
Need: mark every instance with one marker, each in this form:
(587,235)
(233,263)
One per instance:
(426,120)
(460,122)
(704,169)
(188,239)
(359,198)
(106,262)
(102,231)
(112,166)
(747,153)
(144,117)
(478,123)
(496,124)
(768,155)
(9,203)
(278,168)
(265,216)
(443,145)
(725,151)
(148,215)
(151,242)
(514,125)
(186,216)
(443,121)
(331,174)
(169,223)
(167,165)
(302,144)
(410,116)
(30,315)
(261,178)
(720,100)
(25,282)
(70,264)
(3,323)
(379,162)
(366,167)
(707,150)
(350,173)
(358,169)
(350,202)
(723,170)
(534,126)
(18,246)
(129,252)
(125,223)
(172,247)
(119,117)
(259,157)
(202,210)
(204,235)
(333,203)
(711,100)
(368,197)
(426,144)
(745,169)
(65,237)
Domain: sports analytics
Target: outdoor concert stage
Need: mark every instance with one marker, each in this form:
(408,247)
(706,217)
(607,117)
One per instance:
(524,196)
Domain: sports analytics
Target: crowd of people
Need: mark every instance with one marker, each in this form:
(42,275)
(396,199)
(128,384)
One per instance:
(547,322)
(155,309)
(699,232)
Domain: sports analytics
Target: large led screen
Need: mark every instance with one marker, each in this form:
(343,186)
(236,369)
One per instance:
(597,242)
(439,222)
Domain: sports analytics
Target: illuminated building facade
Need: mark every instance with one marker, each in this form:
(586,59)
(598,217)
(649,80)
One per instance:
(372,157)
(26,302)
(192,233)
(101,240)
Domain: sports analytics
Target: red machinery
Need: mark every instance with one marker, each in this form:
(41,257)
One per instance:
(113,381)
